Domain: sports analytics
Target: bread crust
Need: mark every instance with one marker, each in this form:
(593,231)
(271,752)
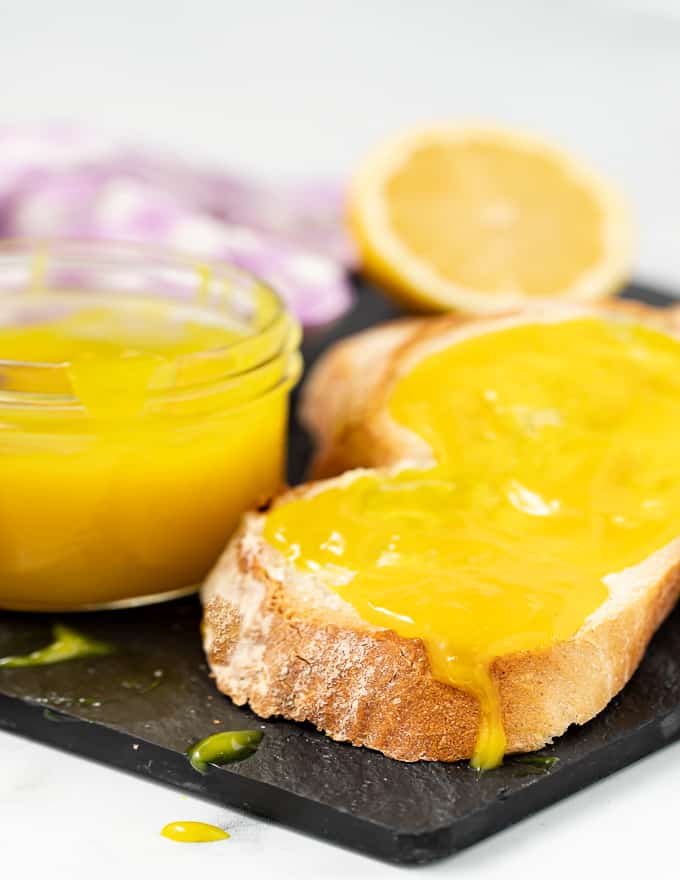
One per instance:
(287,644)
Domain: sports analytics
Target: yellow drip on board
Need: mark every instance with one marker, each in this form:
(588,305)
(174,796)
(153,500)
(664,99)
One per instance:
(66,644)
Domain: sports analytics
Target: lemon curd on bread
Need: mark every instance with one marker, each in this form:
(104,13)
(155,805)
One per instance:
(495,569)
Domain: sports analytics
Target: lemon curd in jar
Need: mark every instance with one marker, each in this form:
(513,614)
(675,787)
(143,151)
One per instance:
(136,425)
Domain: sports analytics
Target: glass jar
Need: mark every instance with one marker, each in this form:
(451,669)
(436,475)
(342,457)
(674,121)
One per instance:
(121,478)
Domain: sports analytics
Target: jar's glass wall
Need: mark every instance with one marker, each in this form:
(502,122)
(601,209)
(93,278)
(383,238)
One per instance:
(99,509)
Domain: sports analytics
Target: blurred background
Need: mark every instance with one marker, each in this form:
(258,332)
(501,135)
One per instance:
(304,88)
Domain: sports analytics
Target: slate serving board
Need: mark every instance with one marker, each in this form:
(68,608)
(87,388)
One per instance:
(140,708)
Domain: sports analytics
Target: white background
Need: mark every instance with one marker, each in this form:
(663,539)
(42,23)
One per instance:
(293,88)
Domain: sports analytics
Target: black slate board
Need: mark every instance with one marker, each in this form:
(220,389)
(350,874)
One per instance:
(140,708)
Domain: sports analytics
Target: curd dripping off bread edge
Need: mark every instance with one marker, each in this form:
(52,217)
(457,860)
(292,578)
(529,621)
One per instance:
(281,641)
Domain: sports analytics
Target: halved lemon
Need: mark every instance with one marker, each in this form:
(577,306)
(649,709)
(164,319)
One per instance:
(482,219)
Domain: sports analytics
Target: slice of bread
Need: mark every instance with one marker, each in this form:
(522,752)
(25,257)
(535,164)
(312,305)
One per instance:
(286,644)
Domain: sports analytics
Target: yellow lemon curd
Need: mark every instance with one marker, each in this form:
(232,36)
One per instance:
(193,832)
(556,463)
(133,433)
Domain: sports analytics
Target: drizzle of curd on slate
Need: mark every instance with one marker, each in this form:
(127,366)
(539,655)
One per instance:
(193,832)
(225,747)
(134,489)
(555,464)
(67,644)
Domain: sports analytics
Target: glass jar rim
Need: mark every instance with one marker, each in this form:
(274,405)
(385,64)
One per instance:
(214,287)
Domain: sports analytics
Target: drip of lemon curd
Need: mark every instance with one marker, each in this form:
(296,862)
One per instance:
(556,463)
(193,832)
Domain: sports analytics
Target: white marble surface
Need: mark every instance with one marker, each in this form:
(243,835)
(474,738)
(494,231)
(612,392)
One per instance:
(305,87)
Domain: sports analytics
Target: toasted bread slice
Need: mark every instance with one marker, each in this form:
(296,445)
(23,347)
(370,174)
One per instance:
(280,640)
